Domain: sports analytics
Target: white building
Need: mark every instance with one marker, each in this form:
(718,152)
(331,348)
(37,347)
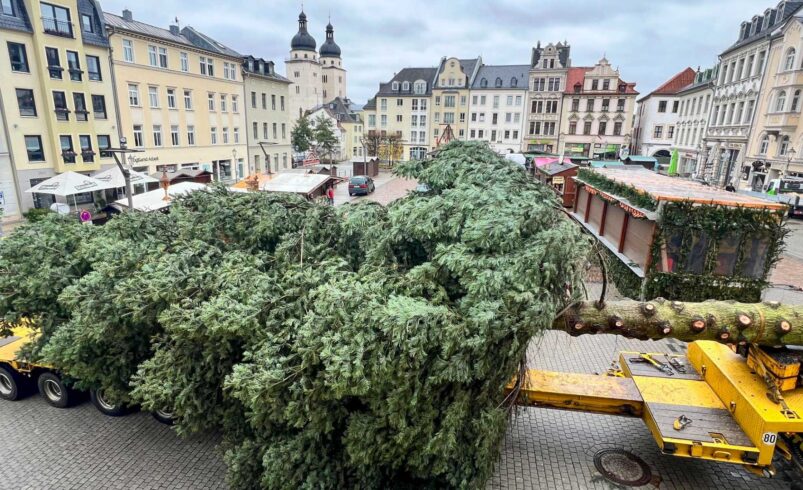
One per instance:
(9,202)
(692,121)
(327,111)
(497,114)
(657,116)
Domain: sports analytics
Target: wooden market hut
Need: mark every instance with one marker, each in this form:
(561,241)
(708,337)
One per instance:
(559,177)
(677,239)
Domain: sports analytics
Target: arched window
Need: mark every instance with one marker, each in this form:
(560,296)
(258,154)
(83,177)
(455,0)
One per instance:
(795,102)
(780,102)
(419,87)
(484,82)
(514,82)
(784,146)
(406,86)
(789,63)
(395,86)
(764,146)
(498,82)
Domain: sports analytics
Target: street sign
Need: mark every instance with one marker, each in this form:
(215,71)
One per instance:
(85,216)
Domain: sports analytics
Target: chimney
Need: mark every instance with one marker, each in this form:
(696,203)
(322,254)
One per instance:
(127,15)
(174,30)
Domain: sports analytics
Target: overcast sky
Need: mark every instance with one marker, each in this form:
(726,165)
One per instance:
(649,40)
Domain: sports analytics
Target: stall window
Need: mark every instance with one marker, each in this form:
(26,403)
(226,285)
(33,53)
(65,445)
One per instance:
(670,251)
(695,262)
(755,256)
(727,254)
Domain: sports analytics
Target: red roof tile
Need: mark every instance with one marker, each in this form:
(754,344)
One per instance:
(578,74)
(676,83)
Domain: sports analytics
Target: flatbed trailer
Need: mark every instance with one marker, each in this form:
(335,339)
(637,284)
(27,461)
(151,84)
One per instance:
(710,404)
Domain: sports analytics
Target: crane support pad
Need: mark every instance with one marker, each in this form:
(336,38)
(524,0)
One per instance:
(584,392)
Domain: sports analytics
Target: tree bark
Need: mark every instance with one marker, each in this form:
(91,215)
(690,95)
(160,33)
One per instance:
(768,323)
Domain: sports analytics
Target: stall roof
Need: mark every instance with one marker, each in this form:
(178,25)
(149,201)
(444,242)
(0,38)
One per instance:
(296,183)
(665,188)
(606,163)
(641,159)
(556,168)
(154,200)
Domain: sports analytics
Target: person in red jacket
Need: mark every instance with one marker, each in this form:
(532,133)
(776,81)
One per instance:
(330,194)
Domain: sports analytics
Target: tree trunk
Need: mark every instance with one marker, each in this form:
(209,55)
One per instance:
(768,323)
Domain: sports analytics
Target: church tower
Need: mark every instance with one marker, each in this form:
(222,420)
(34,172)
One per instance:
(303,69)
(332,71)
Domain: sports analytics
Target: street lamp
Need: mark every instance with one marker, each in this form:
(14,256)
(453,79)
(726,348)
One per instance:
(234,162)
(790,155)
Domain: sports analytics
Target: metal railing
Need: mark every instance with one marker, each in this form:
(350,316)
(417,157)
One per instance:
(57,27)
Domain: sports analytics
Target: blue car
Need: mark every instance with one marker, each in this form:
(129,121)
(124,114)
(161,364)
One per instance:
(361,185)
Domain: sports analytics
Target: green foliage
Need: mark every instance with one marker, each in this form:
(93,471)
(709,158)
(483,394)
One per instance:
(323,132)
(36,214)
(350,347)
(301,136)
(635,196)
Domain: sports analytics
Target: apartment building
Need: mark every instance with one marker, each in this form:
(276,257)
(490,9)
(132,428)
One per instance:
(180,97)
(450,97)
(497,104)
(56,99)
(692,121)
(547,82)
(267,114)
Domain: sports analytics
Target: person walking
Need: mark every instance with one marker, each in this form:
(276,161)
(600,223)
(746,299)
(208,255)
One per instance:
(330,194)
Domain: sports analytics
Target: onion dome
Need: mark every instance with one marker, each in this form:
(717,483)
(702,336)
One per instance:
(330,47)
(302,40)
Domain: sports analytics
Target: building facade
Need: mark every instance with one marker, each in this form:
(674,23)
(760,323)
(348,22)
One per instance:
(180,98)
(692,121)
(56,98)
(9,198)
(450,98)
(497,104)
(267,114)
(403,107)
(657,115)
(547,82)
(739,83)
(315,77)
(596,121)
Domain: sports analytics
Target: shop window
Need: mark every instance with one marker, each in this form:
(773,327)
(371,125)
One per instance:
(695,262)
(755,256)
(727,253)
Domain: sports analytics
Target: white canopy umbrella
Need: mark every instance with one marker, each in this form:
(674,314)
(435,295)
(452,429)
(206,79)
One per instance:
(68,184)
(114,178)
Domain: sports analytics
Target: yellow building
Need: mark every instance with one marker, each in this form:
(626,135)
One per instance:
(56,98)
(268,118)
(775,146)
(181,99)
(450,96)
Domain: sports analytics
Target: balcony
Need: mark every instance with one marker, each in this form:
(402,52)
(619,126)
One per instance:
(57,27)
(782,121)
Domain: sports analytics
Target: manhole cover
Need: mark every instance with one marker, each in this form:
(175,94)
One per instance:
(622,467)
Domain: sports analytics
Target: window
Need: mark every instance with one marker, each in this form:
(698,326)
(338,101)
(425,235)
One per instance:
(225,133)
(395,86)
(675,105)
(658,132)
(67,150)
(139,141)
(86,148)
(7,8)
(74,66)
(617,129)
(223,103)
(587,127)
(55,20)
(265,131)
(780,101)
(185,61)
(594,84)
(153,57)
(128,50)
(237,134)
(284,131)
(93,68)
(603,128)
(764,146)
(188,100)
(191,135)
(383,104)
(273,102)
(749,70)
(509,100)
(18,56)
(211,101)
(171,98)
(163,57)
(493,135)
(86,23)
(576,105)
(605,104)
(508,117)
(795,102)
(419,88)
(34,146)
(157,135)
(620,105)
(606,84)
(590,105)
(53,63)
(207,66)
(554,84)
(783,147)
(255,130)
(496,102)
(104,143)
(372,120)
(662,106)
(448,118)
(463,100)
(400,103)
(226,70)
(281,102)
(572,127)
(26,102)
(449,101)
(264,100)
(383,120)
(539,84)
(748,115)
(670,132)
(275,131)
(789,60)
(79,102)
(235,107)
(153,97)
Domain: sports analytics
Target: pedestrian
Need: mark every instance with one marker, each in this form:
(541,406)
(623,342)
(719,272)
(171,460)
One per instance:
(730,187)
(330,193)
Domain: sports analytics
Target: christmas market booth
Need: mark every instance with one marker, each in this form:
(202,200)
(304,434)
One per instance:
(559,177)
(674,238)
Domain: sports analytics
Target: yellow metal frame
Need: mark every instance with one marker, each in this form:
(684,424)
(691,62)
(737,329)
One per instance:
(8,352)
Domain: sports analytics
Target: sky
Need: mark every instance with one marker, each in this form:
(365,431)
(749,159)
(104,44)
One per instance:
(648,40)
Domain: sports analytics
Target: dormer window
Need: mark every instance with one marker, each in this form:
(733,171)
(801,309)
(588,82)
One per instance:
(395,86)
(578,87)
(622,88)
(420,87)
(767,17)
(406,86)
(779,12)
(514,82)
(755,25)
(498,82)
(484,83)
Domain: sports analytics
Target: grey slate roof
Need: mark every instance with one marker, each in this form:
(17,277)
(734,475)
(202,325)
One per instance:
(408,75)
(340,109)
(511,77)
(370,105)
(20,21)
(563,53)
(92,9)
(201,40)
(267,68)
(790,8)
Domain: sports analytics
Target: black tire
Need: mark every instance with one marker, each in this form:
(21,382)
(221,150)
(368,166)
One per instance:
(164,417)
(9,385)
(54,391)
(105,406)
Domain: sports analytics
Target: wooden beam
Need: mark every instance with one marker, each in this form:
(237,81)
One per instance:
(624,233)
(602,221)
(588,208)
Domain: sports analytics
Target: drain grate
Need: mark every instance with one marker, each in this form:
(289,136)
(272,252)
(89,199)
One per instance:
(622,467)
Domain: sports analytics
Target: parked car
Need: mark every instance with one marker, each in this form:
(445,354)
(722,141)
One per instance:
(361,185)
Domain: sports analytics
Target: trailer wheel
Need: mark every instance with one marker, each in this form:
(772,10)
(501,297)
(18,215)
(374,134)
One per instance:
(54,391)
(164,417)
(105,406)
(9,385)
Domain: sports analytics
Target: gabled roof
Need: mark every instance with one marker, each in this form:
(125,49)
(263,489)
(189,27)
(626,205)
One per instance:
(789,9)
(410,75)
(340,109)
(578,74)
(201,40)
(468,66)
(675,84)
(506,73)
